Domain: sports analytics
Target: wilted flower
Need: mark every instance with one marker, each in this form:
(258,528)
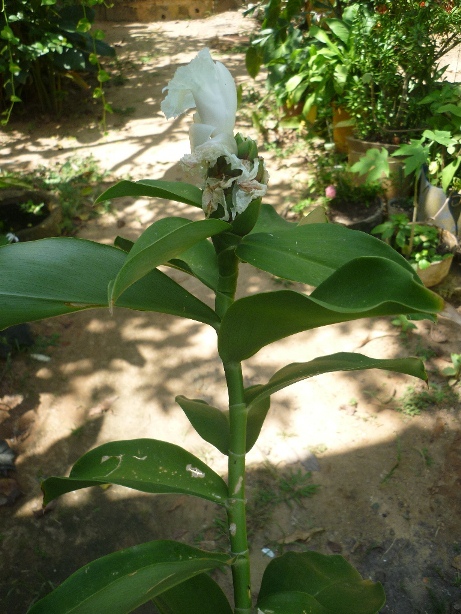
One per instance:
(231,174)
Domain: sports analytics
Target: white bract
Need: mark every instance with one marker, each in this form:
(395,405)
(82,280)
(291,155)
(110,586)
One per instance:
(209,87)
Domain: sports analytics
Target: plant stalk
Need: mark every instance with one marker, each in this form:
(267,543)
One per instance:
(236,507)
(236,503)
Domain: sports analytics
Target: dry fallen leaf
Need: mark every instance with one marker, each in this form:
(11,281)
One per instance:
(102,406)
(300,536)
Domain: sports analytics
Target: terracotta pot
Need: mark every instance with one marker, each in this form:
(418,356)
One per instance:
(341,133)
(396,185)
(297,110)
(48,225)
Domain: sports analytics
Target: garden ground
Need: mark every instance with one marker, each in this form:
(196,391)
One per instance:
(389,481)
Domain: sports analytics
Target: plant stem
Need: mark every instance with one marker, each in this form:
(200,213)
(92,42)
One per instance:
(236,503)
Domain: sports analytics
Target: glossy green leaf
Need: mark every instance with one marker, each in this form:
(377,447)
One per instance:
(200,260)
(210,423)
(172,190)
(257,412)
(270,221)
(199,595)
(330,580)
(366,287)
(124,244)
(162,241)
(292,602)
(310,253)
(367,283)
(342,361)
(121,582)
(148,465)
(51,277)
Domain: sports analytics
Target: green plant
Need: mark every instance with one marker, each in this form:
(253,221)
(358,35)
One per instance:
(419,243)
(362,278)
(453,371)
(400,45)
(48,46)
(75,181)
(334,184)
(404,323)
(438,151)
(415,401)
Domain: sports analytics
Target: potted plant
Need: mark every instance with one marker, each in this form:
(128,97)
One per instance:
(428,249)
(357,206)
(334,186)
(399,50)
(29,214)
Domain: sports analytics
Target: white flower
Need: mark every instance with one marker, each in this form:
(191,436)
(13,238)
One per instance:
(11,238)
(209,87)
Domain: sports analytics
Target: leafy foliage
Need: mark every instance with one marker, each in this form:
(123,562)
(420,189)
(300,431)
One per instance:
(47,46)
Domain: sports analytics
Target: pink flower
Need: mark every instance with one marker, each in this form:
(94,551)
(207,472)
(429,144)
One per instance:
(330,191)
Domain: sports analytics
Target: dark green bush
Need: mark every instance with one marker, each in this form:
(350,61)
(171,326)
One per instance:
(47,47)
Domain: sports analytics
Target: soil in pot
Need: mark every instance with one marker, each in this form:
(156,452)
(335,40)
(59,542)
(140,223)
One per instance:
(29,214)
(356,216)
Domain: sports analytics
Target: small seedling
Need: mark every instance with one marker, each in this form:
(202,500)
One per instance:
(404,323)
(414,401)
(395,466)
(453,371)
(427,458)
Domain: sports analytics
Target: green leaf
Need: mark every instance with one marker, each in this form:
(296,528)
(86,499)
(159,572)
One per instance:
(335,586)
(51,277)
(342,361)
(291,602)
(84,25)
(443,137)
(172,190)
(372,284)
(103,76)
(374,164)
(339,29)
(365,287)
(416,154)
(147,465)
(270,221)
(449,172)
(210,423)
(201,261)
(8,34)
(162,241)
(253,61)
(199,595)
(121,582)
(257,412)
(309,253)
(449,108)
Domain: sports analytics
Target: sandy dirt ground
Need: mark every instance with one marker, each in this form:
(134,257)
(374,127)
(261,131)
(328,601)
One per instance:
(389,484)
